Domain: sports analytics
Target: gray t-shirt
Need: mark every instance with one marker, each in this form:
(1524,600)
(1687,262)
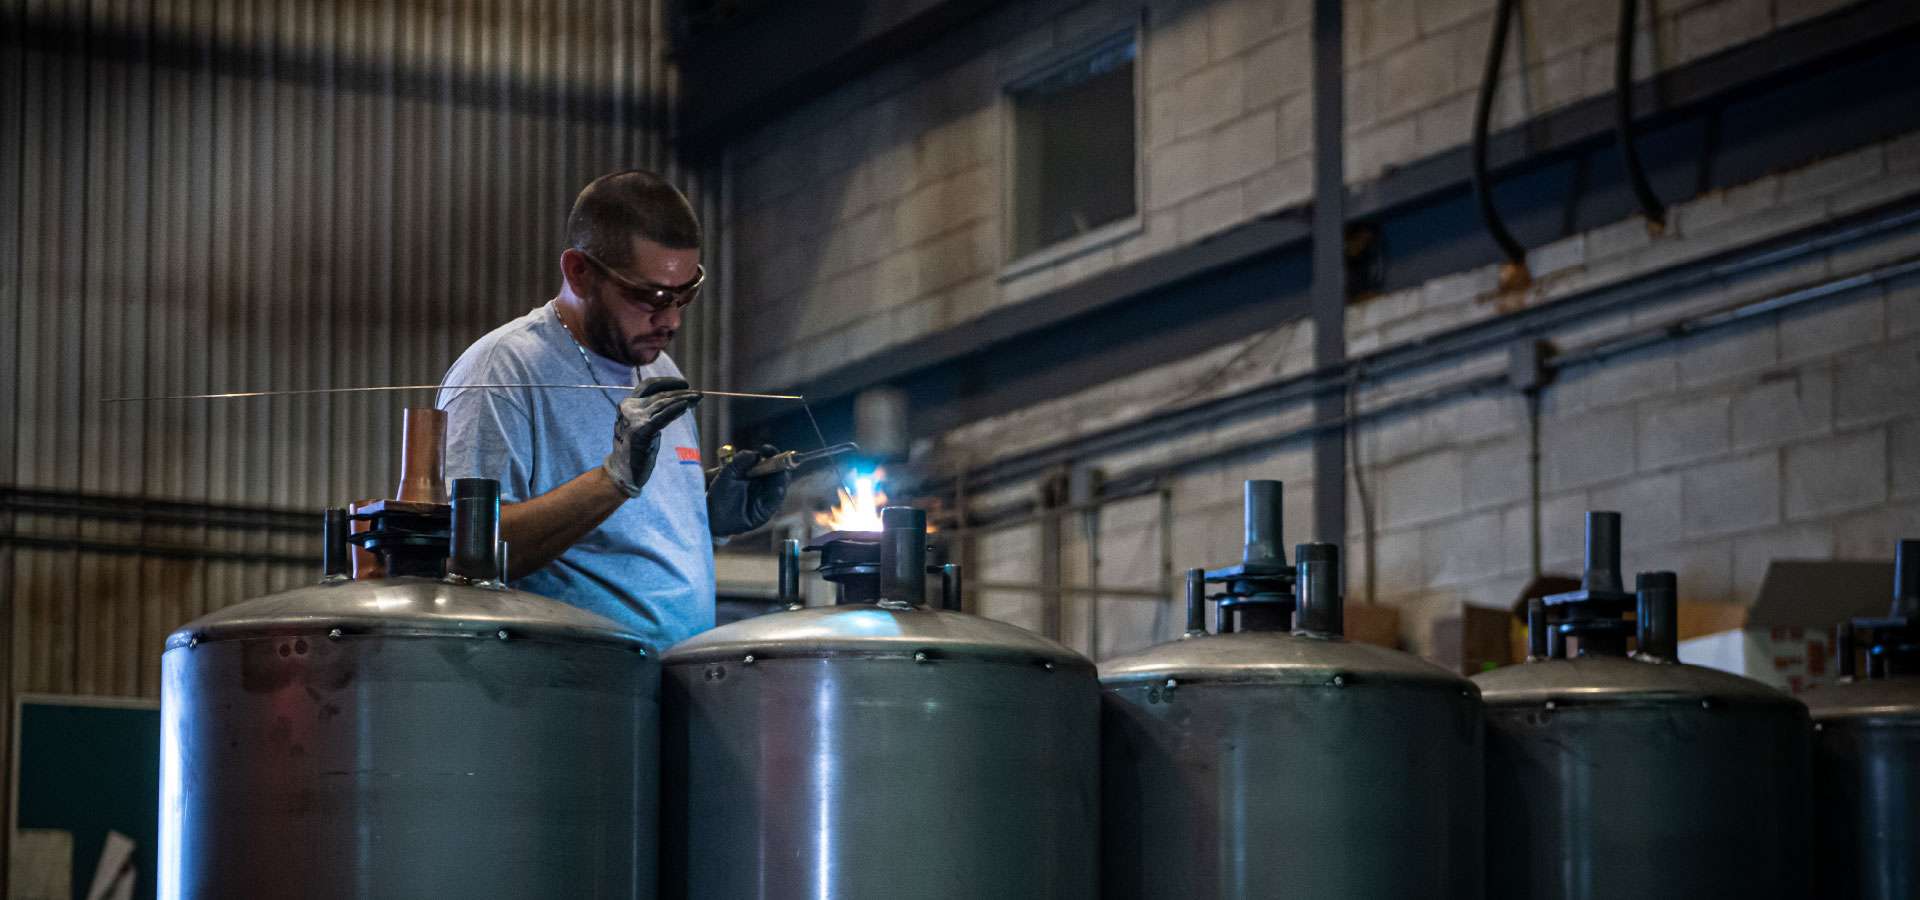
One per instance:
(649,566)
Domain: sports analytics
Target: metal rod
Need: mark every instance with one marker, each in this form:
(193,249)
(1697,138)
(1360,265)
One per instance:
(1603,553)
(476,529)
(903,554)
(790,572)
(1196,602)
(1906,578)
(335,561)
(1657,619)
(1263,521)
(1319,608)
(1536,629)
(950,588)
(238,395)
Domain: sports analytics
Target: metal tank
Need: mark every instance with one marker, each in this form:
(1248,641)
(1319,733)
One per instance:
(1617,775)
(430,734)
(1866,752)
(878,748)
(1277,759)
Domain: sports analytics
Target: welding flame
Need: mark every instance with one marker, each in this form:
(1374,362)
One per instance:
(859,508)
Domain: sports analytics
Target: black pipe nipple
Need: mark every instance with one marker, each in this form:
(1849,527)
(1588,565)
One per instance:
(476,529)
(1318,606)
(1657,617)
(903,555)
(336,560)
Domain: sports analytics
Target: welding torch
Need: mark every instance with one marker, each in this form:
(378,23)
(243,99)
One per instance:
(783,462)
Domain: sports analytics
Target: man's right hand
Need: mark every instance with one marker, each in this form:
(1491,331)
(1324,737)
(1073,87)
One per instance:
(636,433)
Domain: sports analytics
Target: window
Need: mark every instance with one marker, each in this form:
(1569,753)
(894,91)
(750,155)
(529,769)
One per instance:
(1074,149)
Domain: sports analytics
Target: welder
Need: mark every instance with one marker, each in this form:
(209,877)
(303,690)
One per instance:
(605,504)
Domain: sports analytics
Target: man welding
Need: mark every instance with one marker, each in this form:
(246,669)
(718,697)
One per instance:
(624,528)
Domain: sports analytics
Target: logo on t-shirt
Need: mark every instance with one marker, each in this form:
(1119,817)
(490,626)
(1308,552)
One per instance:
(689,456)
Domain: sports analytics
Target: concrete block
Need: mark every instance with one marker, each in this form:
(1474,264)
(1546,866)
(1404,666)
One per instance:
(1563,531)
(1238,24)
(1834,325)
(1624,236)
(1461,287)
(1244,147)
(1361,101)
(1556,27)
(1212,212)
(1446,124)
(1784,406)
(1377,27)
(1516,538)
(1835,474)
(1418,75)
(1497,473)
(1752,553)
(1463,550)
(1211,96)
(1287,184)
(1871,534)
(1597,62)
(1735,495)
(1903,308)
(1627,378)
(1903,442)
(1560,255)
(1649,508)
(1280,67)
(1437,15)
(1296,126)
(1587,449)
(1422,489)
(1704,568)
(1176,172)
(1682,431)
(946,204)
(1400,565)
(1716,26)
(1176,45)
(1380,148)
(1833,173)
(1729,352)
(1702,213)
(1876,385)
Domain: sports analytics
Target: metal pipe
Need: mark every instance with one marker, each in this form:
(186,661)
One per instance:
(951,598)
(476,529)
(336,563)
(1906,579)
(1196,602)
(1603,553)
(1482,115)
(1656,212)
(903,555)
(1536,630)
(1657,618)
(1844,648)
(1317,589)
(1556,643)
(1263,521)
(500,556)
(789,590)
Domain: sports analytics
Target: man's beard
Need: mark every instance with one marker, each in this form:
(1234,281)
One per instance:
(604,337)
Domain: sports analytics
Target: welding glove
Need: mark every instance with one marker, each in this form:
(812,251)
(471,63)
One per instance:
(736,503)
(636,433)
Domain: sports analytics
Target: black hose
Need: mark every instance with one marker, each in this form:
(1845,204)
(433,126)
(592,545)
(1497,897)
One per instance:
(1482,113)
(1650,204)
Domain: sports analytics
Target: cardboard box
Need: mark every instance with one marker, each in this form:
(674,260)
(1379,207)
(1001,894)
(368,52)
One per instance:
(1793,658)
(1787,639)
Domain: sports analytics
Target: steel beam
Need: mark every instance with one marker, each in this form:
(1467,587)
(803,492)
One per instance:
(1329,270)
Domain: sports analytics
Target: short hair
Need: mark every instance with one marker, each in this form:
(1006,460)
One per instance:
(616,207)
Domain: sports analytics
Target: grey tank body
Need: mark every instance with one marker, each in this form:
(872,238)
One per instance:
(1866,769)
(1265,764)
(1615,777)
(862,751)
(381,739)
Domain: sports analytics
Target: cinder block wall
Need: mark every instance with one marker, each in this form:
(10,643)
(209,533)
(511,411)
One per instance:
(1790,434)
(873,216)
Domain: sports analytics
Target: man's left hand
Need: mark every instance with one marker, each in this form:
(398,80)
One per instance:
(737,504)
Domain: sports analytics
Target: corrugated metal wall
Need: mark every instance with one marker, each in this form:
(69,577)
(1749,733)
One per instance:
(200,195)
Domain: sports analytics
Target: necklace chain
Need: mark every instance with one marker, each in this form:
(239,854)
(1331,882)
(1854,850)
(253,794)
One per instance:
(581,348)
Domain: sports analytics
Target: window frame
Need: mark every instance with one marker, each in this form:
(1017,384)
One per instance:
(1019,265)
